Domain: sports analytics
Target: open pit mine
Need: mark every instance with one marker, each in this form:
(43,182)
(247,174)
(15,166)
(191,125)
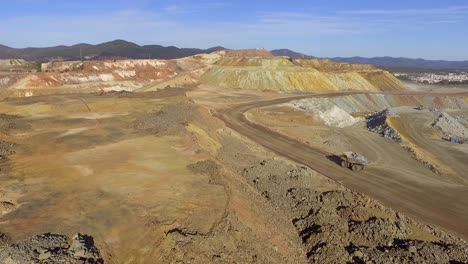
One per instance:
(229,157)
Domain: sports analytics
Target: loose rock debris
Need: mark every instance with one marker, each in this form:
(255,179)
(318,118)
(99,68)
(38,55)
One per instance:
(341,226)
(50,248)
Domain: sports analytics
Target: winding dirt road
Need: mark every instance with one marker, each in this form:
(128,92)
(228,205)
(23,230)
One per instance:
(431,198)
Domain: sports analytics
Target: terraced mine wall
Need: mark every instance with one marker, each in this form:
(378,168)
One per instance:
(92,76)
(104,66)
(283,74)
(112,70)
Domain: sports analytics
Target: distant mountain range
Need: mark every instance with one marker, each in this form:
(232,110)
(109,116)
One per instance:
(119,49)
(112,49)
(391,63)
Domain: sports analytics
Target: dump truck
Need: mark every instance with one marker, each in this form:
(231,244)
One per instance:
(353,161)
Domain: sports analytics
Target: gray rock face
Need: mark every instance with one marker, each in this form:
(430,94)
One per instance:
(377,123)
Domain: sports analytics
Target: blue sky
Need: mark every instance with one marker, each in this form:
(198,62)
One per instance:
(432,29)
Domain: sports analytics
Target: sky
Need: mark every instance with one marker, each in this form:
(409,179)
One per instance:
(430,29)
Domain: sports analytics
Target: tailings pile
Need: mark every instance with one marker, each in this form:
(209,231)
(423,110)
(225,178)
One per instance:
(327,111)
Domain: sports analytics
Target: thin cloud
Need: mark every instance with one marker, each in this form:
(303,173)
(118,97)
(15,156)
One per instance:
(186,8)
(302,23)
(432,11)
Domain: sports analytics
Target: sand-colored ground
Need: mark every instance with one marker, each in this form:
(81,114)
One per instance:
(89,172)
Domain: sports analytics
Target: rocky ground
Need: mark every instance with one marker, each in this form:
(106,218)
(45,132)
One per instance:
(50,248)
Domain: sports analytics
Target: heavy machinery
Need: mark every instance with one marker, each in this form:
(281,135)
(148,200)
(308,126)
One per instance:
(353,161)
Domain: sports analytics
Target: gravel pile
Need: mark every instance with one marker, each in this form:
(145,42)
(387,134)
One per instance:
(50,248)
